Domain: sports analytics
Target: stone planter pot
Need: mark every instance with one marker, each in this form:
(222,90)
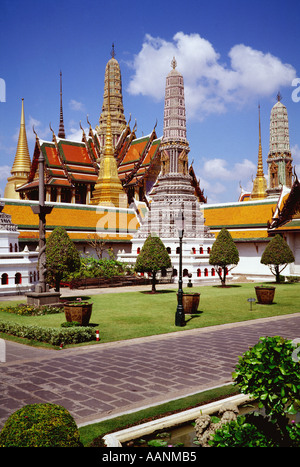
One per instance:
(190,302)
(265,295)
(78,312)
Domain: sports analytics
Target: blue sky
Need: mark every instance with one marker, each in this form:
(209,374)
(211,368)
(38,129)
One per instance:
(232,54)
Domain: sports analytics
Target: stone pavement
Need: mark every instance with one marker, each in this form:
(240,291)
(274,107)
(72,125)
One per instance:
(103,380)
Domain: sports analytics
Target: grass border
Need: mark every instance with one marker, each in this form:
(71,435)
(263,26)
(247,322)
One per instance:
(91,435)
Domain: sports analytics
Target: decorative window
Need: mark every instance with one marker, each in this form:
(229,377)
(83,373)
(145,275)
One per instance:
(4,279)
(18,278)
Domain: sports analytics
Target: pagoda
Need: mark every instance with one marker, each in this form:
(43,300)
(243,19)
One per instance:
(279,158)
(108,189)
(174,192)
(113,94)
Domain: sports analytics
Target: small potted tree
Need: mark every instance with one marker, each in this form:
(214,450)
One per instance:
(61,257)
(277,256)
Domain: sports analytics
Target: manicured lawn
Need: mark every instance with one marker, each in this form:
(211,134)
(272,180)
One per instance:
(128,315)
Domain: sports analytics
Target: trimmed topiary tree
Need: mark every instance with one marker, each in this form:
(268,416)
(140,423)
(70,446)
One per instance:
(223,254)
(152,258)
(277,256)
(40,425)
(61,256)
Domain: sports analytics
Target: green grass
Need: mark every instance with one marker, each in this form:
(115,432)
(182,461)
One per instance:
(128,315)
(96,431)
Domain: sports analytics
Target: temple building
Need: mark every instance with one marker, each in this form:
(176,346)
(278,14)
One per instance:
(18,270)
(120,187)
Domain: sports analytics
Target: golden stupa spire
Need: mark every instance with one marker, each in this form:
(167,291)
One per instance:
(108,189)
(260,182)
(22,161)
(22,164)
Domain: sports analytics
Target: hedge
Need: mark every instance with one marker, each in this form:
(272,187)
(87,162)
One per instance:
(52,336)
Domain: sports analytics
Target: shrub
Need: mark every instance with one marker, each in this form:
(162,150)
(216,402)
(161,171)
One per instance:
(92,267)
(240,433)
(268,372)
(40,425)
(53,336)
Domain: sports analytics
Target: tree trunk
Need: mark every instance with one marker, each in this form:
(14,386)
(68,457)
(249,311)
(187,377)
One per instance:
(277,274)
(153,282)
(223,276)
(57,283)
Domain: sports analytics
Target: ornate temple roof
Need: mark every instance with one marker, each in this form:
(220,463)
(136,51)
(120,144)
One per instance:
(247,221)
(286,216)
(81,222)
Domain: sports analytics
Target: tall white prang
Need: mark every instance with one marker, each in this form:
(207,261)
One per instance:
(174,192)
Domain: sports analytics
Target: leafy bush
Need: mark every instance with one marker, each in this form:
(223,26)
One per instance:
(268,372)
(53,336)
(92,267)
(292,279)
(240,433)
(40,425)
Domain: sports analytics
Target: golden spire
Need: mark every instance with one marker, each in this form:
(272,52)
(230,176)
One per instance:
(22,164)
(108,189)
(260,182)
(113,83)
(22,161)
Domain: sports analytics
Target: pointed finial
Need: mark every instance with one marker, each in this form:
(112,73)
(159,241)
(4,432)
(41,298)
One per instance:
(173,63)
(279,96)
(61,130)
(113,53)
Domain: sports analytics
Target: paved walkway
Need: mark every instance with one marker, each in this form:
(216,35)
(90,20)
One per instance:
(102,380)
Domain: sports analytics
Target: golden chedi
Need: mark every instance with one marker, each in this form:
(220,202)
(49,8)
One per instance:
(22,164)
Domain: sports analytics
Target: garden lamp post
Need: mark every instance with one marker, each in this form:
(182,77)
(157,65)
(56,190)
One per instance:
(179,317)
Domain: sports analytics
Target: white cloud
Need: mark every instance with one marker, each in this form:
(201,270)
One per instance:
(218,168)
(217,177)
(210,85)
(42,131)
(75,134)
(5,172)
(295,150)
(75,105)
